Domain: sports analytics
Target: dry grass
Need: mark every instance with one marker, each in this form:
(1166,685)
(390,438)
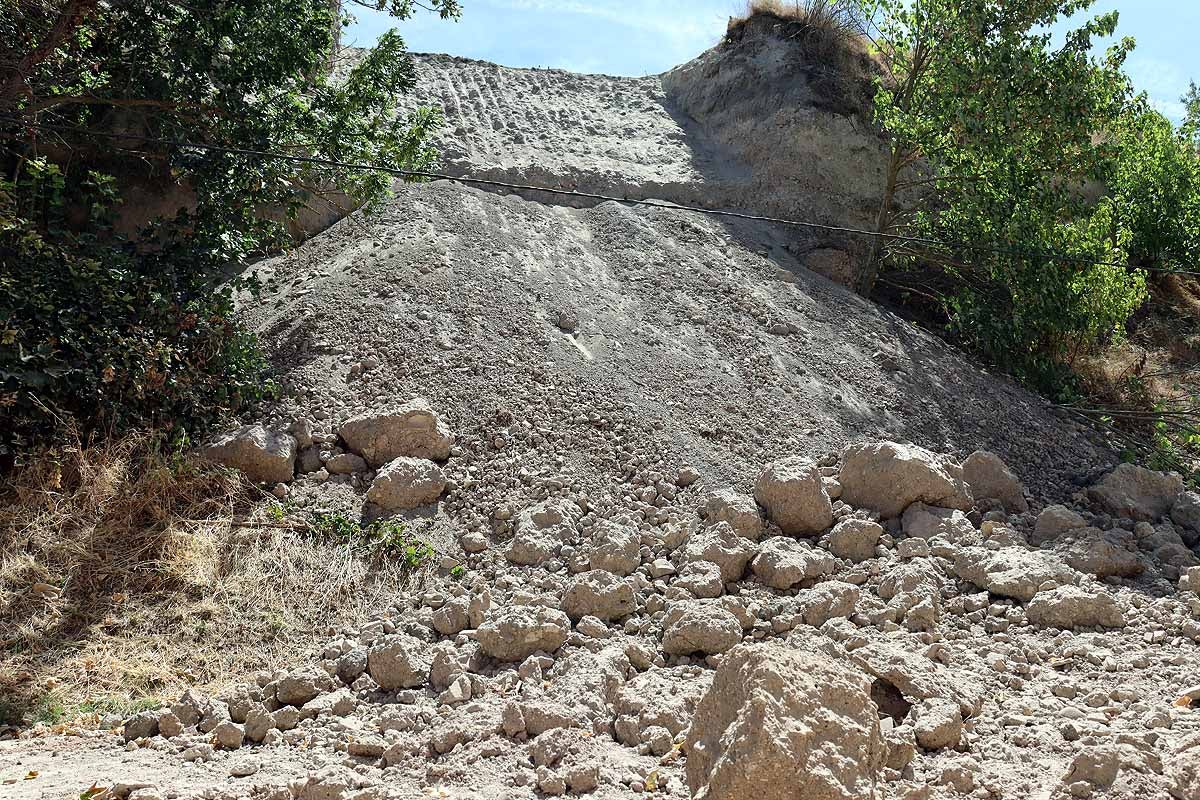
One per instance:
(825,15)
(126,575)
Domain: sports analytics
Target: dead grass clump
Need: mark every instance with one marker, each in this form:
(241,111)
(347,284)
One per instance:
(126,574)
(831,16)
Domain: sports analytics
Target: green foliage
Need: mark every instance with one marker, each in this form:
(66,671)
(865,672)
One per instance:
(49,709)
(387,538)
(1153,189)
(110,316)
(994,144)
(1191,119)
(97,332)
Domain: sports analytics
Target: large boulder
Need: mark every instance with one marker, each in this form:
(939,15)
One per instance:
(990,478)
(720,545)
(411,430)
(1012,571)
(598,593)
(888,477)
(262,455)
(407,483)
(616,548)
(700,626)
(783,562)
(795,497)
(785,724)
(1070,607)
(517,632)
(740,511)
(1136,492)
(541,531)
(399,661)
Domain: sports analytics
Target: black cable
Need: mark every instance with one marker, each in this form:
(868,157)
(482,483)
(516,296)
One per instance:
(406,173)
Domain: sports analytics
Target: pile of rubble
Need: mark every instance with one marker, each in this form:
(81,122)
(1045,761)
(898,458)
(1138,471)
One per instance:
(885,622)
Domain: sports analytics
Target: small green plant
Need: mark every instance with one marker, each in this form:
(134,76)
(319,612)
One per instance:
(49,709)
(120,706)
(383,537)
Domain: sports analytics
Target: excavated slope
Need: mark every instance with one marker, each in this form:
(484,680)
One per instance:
(704,339)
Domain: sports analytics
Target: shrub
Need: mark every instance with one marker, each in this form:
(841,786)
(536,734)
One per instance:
(112,315)
(992,134)
(96,331)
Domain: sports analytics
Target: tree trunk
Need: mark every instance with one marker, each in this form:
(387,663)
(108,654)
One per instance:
(883,221)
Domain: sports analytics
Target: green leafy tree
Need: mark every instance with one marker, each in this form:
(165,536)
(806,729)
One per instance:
(1152,195)
(1191,115)
(109,313)
(994,142)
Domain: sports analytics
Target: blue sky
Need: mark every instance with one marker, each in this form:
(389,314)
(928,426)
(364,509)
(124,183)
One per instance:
(639,37)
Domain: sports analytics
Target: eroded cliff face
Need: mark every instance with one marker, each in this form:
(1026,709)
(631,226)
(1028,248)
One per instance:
(793,108)
(768,121)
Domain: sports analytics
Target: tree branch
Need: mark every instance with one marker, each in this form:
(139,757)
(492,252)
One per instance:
(69,18)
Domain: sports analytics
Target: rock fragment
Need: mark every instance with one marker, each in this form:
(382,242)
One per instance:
(855,539)
(741,512)
(1070,607)
(698,626)
(938,724)
(1055,521)
(781,724)
(399,661)
(990,478)
(1011,571)
(720,545)
(888,477)
(1137,492)
(792,492)
(783,562)
(517,632)
(406,483)
(413,431)
(262,456)
(615,548)
(600,594)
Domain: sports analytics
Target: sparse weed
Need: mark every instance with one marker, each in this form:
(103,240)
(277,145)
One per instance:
(384,537)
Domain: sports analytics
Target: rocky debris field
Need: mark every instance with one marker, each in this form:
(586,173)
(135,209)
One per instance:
(708,524)
(880,623)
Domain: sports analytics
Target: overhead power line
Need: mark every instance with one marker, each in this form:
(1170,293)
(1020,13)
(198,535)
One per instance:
(523,187)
